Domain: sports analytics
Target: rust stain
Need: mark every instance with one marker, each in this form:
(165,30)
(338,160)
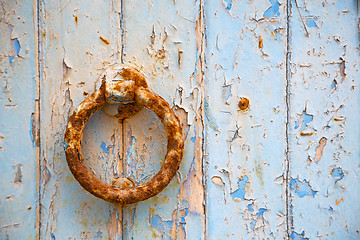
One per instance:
(319,149)
(160,54)
(104,40)
(337,202)
(261,43)
(306,133)
(339,119)
(180,54)
(122,183)
(76,19)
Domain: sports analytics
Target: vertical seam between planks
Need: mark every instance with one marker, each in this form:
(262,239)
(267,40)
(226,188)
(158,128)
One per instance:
(122,30)
(204,143)
(287,127)
(123,171)
(37,23)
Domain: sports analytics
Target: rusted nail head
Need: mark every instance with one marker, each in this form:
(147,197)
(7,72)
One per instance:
(244,103)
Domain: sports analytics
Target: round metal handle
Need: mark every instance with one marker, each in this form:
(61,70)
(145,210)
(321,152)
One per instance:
(126,86)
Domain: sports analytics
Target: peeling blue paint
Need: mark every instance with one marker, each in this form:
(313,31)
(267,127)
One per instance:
(227,92)
(278,33)
(251,207)
(47,175)
(15,47)
(240,192)
(32,137)
(297,236)
(106,149)
(66,145)
(331,209)
(334,84)
(337,173)
(260,213)
(302,189)
(184,213)
(53,236)
(131,152)
(228,4)
(210,117)
(164,227)
(310,22)
(98,235)
(303,121)
(196,63)
(252,225)
(273,10)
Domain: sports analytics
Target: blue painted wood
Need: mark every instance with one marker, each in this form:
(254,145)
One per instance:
(165,41)
(285,168)
(324,126)
(18,167)
(245,56)
(72,55)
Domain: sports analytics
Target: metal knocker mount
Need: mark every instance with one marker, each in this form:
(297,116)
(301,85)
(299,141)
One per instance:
(127,86)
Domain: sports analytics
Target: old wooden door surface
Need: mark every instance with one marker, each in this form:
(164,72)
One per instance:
(287,167)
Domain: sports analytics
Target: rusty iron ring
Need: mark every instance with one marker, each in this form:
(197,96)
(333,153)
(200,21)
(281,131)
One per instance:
(128,90)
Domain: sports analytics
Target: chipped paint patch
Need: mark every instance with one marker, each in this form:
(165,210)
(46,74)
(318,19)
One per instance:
(18,175)
(342,68)
(272,11)
(252,225)
(250,207)
(320,149)
(297,236)
(15,46)
(228,4)
(276,109)
(302,188)
(226,93)
(240,192)
(106,149)
(32,130)
(337,173)
(261,212)
(170,229)
(217,180)
(303,121)
(311,22)
(210,117)
(98,235)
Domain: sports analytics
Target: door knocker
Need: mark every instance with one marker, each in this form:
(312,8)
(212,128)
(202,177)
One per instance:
(127,86)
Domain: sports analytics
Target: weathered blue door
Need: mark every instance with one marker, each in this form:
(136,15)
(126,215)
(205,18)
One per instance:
(267,92)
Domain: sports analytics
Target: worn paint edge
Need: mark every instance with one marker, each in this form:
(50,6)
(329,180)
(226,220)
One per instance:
(288,217)
(38,77)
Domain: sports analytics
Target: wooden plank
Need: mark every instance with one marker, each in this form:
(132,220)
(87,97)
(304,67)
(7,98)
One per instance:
(324,126)
(18,197)
(78,39)
(245,56)
(165,40)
